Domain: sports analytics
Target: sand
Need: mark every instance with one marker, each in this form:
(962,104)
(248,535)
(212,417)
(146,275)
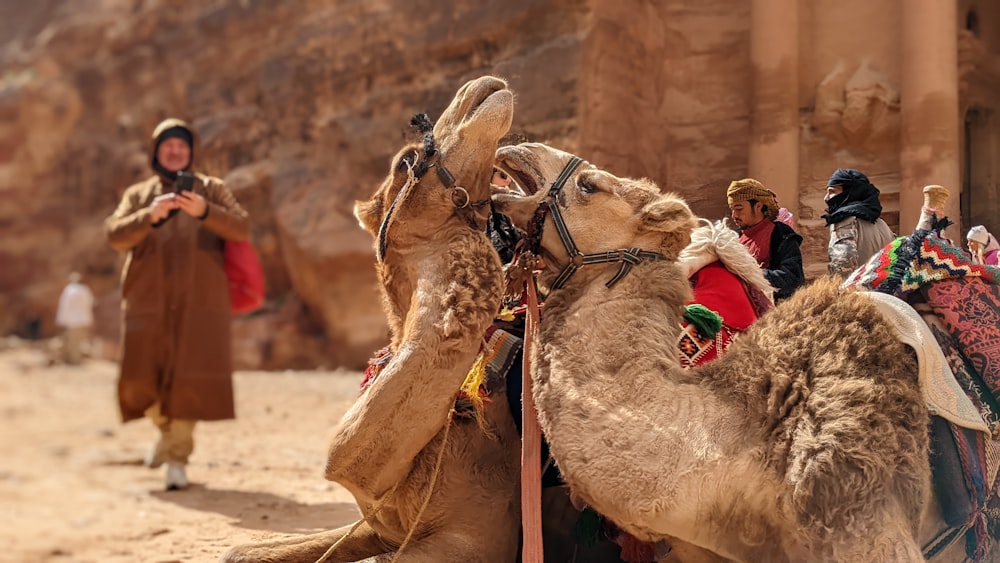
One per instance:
(73,487)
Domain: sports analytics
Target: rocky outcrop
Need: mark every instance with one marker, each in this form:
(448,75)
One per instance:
(299,106)
(301,103)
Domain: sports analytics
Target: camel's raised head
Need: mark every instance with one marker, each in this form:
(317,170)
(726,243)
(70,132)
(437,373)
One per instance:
(447,173)
(601,212)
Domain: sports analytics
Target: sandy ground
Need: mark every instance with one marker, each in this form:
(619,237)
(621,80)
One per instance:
(73,488)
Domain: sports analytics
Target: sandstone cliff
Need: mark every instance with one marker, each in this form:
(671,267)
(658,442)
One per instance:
(301,103)
(299,106)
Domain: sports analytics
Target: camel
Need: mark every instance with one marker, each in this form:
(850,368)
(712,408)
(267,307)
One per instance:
(806,441)
(449,484)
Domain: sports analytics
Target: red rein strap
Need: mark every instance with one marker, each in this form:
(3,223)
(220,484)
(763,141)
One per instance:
(531,444)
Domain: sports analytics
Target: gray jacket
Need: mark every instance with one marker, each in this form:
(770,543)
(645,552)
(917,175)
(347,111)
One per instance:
(853,241)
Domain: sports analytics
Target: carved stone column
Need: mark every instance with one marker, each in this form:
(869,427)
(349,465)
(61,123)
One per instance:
(774,118)
(930,124)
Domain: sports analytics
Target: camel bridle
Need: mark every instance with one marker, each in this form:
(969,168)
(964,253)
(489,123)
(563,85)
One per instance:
(628,257)
(465,208)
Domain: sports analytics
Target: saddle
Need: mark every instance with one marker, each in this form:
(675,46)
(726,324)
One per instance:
(959,301)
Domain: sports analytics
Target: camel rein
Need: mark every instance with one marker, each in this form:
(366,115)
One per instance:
(531,441)
(550,206)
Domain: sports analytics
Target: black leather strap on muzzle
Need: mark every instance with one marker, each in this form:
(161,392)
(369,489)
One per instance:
(628,257)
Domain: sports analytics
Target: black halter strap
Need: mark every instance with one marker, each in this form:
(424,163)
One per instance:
(465,208)
(460,198)
(628,257)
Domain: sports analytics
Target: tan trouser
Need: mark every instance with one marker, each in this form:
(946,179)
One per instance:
(73,339)
(176,437)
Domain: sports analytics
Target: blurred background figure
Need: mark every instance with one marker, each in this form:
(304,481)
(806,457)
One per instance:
(853,214)
(176,365)
(75,316)
(983,246)
(786,217)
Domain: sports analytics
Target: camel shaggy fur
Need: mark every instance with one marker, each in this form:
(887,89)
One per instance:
(441,283)
(807,441)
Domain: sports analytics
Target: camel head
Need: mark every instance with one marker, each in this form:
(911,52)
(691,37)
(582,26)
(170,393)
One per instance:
(446,174)
(602,212)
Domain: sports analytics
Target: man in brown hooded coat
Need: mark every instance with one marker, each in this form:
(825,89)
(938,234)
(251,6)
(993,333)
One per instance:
(175,362)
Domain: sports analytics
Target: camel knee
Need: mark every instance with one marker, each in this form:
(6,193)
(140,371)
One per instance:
(239,554)
(308,548)
(268,552)
(272,553)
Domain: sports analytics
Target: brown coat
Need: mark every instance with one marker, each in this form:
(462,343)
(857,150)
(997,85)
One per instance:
(175,303)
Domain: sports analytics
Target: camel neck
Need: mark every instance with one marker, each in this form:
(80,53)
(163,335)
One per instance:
(451,299)
(609,370)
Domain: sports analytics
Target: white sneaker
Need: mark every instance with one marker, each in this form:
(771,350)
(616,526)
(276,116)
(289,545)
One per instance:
(154,457)
(176,477)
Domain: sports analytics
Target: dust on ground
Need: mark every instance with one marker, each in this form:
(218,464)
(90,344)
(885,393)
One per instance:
(73,488)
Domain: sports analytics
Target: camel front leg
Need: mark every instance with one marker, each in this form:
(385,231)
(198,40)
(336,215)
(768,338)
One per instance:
(361,544)
(438,548)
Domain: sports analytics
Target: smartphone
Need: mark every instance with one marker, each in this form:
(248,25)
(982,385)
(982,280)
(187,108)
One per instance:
(184,182)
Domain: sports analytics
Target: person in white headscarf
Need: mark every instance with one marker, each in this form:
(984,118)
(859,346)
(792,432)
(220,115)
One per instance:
(983,245)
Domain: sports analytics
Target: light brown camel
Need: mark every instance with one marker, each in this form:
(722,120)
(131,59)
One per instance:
(441,282)
(807,441)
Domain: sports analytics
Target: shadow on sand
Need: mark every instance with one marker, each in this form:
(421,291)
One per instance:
(263,511)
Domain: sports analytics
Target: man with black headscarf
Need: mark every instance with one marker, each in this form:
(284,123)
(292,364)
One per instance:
(853,213)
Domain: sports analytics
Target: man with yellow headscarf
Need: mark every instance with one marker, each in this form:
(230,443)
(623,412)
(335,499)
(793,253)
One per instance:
(775,245)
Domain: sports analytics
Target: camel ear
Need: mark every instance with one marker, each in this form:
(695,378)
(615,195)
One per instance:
(669,215)
(369,214)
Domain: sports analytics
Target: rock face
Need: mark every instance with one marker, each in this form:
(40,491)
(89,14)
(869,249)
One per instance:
(300,104)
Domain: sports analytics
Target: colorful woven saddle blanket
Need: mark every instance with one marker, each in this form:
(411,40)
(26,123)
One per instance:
(959,302)
(955,297)
(964,317)
(909,263)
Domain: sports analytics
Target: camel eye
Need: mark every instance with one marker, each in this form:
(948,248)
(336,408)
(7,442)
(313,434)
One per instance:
(588,187)
(407,161)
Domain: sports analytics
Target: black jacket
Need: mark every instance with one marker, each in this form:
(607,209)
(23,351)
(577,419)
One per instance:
(784,270)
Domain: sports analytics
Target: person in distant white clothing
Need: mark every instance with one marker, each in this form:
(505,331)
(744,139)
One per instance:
(75,315)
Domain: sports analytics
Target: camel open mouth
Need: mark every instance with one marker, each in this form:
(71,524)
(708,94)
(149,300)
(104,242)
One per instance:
(510,162)
(502,196)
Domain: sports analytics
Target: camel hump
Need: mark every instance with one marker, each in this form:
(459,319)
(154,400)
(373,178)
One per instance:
(842,402)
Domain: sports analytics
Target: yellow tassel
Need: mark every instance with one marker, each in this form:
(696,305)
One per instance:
(506,314)
(470,388)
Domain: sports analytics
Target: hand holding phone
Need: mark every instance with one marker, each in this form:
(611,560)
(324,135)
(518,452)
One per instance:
(184,182)
(188,200)
(163,207)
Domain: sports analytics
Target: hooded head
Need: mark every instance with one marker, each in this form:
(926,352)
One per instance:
(172,147)
(850,194)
